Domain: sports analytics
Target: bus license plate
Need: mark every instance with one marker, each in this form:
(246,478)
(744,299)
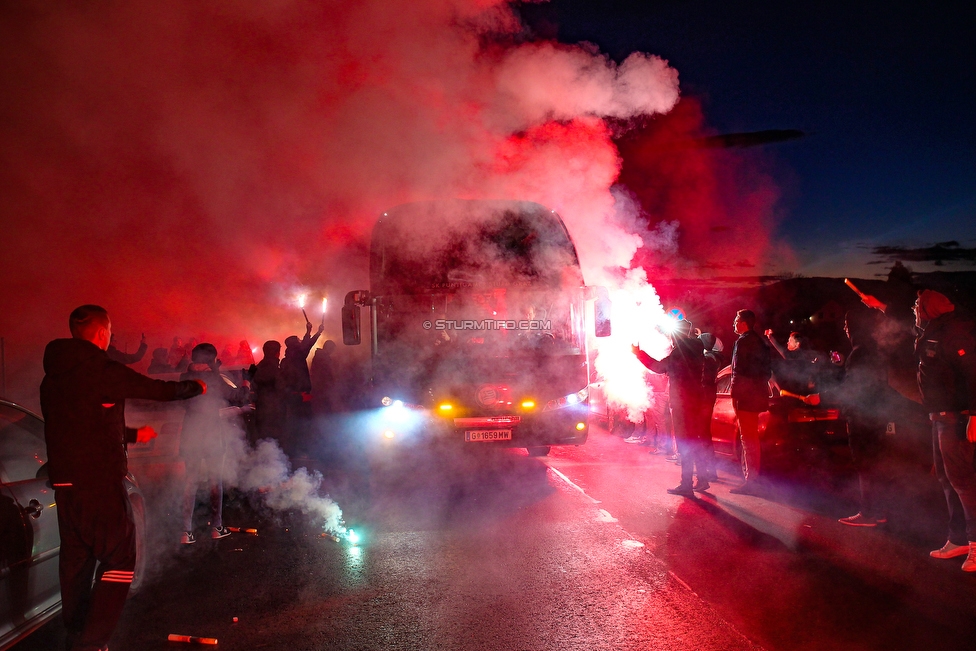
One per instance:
(488,435)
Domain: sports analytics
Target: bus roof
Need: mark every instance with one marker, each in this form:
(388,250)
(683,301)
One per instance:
(445,246)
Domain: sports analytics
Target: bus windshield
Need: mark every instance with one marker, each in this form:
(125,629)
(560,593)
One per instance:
(497,323)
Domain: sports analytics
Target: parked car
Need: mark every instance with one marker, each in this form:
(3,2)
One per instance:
(30,594)
(794,435)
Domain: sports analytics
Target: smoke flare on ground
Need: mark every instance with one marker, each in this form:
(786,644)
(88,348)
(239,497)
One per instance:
(265,469)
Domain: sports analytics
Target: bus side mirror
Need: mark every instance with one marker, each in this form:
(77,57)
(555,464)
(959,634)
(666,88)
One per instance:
(351,325)
(601,314)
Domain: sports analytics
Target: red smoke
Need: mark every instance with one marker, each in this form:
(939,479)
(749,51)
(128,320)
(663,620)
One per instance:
(723,199)
(192,166)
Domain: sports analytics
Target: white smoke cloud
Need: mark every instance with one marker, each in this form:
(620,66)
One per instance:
(638,319)
(265,469)
(546,81)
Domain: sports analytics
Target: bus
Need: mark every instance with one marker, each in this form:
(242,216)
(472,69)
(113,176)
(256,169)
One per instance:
(477,314)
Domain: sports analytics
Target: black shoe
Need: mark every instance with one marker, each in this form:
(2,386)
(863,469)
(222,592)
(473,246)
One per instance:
(219,532)
(702,486)
(686,491)
(747,489)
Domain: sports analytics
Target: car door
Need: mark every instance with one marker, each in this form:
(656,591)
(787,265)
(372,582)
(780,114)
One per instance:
(723,415)
(29,538)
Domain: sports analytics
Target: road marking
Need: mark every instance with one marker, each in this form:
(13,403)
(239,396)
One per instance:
(572,485)
(605,516)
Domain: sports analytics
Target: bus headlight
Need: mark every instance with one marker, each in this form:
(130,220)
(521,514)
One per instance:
(567,401)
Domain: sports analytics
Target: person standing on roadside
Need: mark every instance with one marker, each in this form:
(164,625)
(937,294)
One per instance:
(296,383)
(683,366)
(751,370)
(83,398)
(946,353)
(797,366)
(713,362)
(203,441)
(860,396)
(267,387)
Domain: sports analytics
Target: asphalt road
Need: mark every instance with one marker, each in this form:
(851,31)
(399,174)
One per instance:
(584,549)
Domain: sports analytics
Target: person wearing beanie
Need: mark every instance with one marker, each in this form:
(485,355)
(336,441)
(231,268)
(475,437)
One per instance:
(931,305)
(683,366)
(946,354)
(945,350)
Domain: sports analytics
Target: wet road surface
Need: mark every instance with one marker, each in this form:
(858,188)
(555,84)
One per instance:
(583,549)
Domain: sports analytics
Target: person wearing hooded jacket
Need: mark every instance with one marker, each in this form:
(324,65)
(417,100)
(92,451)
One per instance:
(683,366)
(83,398)
(268,390)
(751,370)
(296,383)
(203,441)
(945,349)
(860,394)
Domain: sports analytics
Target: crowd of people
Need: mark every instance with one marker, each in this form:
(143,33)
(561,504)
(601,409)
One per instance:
(856,384)
(87,381)
(87,449)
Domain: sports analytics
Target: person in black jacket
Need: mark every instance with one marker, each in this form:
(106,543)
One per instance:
(128,358)
(683,367)
(861,395)
(83,402)
(751,370)
(268,389)
(297,389)
(945,350)
(203,440)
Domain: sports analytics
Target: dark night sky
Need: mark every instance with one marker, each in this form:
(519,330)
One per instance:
(885,92)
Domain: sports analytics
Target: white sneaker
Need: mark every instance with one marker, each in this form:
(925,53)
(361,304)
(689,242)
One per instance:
(969,565)
(950,550)
(634,439)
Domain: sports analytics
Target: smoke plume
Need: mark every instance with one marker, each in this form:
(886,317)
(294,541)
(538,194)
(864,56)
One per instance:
(192,167)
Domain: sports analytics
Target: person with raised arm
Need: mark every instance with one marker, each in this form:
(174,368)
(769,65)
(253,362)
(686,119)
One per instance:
(945,349)
(83,398)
